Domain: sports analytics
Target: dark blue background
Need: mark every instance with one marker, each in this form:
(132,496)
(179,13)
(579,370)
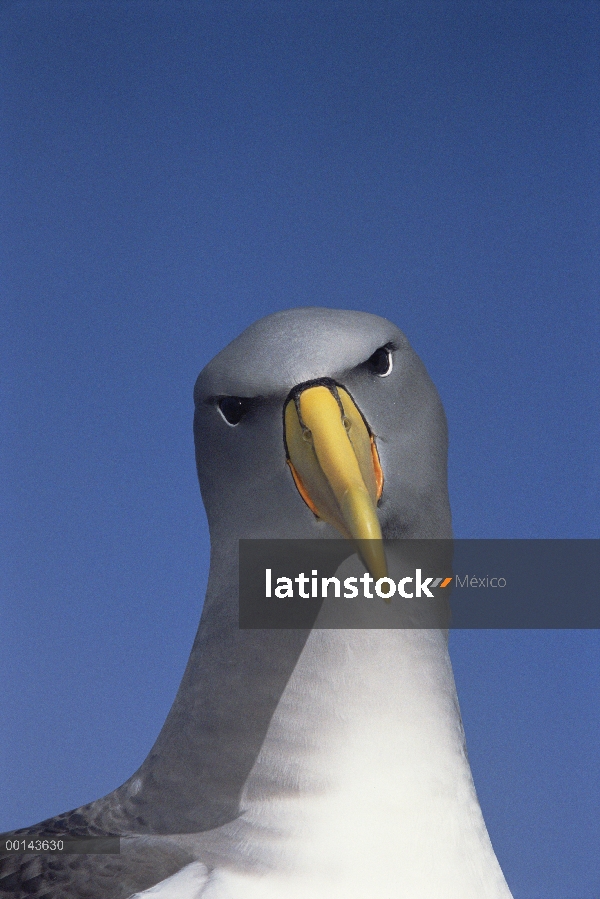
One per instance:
(172,171)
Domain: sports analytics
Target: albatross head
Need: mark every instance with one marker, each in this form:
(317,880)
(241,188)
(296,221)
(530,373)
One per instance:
(337,426)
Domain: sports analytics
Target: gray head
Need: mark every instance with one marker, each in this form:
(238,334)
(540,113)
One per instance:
(245,475)
(194,777)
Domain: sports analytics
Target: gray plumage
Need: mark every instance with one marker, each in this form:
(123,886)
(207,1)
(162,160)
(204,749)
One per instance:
(188,800)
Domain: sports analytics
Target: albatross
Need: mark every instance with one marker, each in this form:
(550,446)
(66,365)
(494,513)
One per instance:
(321,763)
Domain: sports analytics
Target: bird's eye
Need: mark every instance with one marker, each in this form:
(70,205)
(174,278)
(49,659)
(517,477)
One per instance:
(233,408)
(380,363)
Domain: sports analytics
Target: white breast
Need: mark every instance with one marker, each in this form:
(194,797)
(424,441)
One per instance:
(188,883)
(362,788)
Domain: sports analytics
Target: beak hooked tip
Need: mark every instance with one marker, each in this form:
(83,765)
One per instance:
(335,465)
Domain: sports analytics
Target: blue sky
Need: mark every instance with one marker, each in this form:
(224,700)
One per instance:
(173,171)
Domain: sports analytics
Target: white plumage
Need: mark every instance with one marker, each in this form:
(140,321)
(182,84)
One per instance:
(305,764)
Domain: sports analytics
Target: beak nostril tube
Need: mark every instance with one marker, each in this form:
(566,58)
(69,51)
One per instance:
(335,466)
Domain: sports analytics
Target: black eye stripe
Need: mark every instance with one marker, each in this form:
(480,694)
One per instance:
(380,363)
(233,408)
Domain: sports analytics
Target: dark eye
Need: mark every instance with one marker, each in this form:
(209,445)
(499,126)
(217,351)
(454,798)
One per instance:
(233,408)
(380,363)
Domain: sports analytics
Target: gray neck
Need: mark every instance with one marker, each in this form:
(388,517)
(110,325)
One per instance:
(193,777)
(275,737)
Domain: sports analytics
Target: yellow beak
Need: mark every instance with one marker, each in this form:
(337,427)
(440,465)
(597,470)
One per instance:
(335,465)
